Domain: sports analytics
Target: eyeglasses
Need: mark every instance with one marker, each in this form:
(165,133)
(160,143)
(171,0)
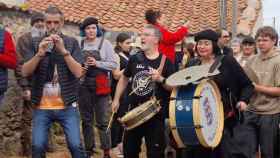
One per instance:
(226,36)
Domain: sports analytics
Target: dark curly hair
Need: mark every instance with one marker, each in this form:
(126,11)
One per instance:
(120,39)
(151,16)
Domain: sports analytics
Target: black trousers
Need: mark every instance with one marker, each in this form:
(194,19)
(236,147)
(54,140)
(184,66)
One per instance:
(259,131)
(117,130)
(153,132)
(95,110)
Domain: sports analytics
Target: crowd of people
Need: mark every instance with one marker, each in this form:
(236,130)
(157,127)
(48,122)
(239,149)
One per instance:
(69,81)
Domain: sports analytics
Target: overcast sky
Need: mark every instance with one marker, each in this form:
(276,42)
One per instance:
(271,9)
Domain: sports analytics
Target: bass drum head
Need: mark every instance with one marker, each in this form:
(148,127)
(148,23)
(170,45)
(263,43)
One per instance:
(208,112)
(196,115)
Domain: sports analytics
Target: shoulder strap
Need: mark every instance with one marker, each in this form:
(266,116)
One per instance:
(216,63)
(141,58)
(82,44)
(122,54)
(101,43)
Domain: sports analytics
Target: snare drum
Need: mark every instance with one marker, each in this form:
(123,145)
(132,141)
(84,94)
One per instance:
(196,115)
(141,114)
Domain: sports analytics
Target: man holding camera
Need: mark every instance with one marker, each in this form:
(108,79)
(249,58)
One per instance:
(55,67)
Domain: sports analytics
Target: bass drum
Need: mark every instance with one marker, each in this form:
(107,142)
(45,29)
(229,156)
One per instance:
(196,115)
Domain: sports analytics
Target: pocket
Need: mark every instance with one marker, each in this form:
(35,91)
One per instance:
(102,84)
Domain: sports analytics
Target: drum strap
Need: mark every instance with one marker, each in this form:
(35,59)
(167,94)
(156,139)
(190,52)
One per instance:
(160,68)
(216,63)
(161,65)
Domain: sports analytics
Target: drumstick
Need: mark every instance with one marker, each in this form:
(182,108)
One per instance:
(110,122)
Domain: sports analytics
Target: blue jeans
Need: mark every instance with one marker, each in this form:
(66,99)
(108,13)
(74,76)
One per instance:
(68,118)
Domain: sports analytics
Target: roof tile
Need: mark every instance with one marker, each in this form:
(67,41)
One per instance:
(129,14)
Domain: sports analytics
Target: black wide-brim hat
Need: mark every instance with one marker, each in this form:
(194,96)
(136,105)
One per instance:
(206,35)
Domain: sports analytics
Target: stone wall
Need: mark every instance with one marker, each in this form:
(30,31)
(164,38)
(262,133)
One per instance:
(10,119)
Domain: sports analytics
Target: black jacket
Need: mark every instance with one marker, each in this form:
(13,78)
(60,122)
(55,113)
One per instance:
(227,51)
(232,81)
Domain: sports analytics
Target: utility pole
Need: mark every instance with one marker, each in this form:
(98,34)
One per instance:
(234,17)
(223,13)
(274,22)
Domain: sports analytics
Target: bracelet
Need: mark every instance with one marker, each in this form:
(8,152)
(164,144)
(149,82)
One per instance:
(39,56)
(66,54)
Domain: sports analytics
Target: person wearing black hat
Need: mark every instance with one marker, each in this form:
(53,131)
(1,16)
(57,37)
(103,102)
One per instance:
(248,48)
(23,46)
(94,95)
(232,83)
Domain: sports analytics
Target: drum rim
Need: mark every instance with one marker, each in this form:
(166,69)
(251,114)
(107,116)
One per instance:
(126,116)
(196,116)
(172,120)
(147,118)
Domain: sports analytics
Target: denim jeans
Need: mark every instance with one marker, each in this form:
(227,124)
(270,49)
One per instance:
(68,118)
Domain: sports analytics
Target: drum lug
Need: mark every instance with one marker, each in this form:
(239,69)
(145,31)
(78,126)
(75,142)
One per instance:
(197,97)
(188,126)
(194,97)
(198,126)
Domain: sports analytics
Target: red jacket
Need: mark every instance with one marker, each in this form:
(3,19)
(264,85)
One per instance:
(169,40)
(8,57)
